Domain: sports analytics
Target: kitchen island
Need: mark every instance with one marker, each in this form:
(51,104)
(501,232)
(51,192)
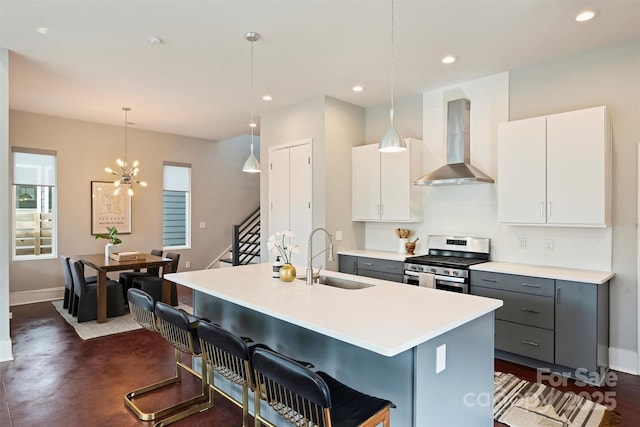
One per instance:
(428,351)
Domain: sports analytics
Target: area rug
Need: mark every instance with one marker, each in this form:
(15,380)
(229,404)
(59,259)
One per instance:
(92,329)
(520,403)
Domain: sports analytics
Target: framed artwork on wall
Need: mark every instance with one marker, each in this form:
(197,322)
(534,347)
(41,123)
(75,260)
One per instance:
(108,209)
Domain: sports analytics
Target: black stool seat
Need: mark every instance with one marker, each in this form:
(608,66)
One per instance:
(350,407)
(304,397)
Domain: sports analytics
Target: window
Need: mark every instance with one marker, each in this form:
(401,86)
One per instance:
(176,206)
(34,184)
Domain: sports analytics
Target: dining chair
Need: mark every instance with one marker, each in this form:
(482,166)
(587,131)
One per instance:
(153,285)
(85,304)
(126,277)
(67,302)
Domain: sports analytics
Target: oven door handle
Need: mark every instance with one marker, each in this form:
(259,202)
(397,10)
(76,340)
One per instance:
(450,279)
(412,273)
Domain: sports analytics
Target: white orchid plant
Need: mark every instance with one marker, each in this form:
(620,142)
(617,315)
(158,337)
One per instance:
(278,246)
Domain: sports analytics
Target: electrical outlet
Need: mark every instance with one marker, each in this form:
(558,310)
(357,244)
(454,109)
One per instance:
(441,358)
(339,235)
(187,264)
(548,244)
(523,243)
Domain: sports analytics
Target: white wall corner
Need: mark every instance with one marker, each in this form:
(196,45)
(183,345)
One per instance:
(623,360)
(5,351)
(37,295)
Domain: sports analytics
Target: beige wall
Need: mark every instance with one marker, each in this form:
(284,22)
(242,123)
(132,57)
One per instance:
(611,77)
(221,194)
(334,126)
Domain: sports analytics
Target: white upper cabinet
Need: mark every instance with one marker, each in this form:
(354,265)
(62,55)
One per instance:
(556,170)
(382,183)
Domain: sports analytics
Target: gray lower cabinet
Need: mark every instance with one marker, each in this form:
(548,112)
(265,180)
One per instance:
(372,267)
(549,324)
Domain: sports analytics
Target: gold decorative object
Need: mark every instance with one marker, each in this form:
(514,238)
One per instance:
(403,233)
(287,273)
(411,246)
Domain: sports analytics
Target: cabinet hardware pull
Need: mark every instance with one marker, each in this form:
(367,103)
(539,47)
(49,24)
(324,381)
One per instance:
(529,310)
(549,210)
(527,342)
(368,263)
(558,296)
(542,209)
(528,285)
(488,280)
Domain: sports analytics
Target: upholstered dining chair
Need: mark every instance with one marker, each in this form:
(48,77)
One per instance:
(85,304)
(307,398)
(153,285)
(68,283)
(126,277)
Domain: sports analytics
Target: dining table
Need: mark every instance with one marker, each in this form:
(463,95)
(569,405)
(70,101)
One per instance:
(104,265)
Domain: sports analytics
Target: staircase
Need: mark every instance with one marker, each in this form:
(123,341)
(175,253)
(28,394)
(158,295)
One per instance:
(245,242)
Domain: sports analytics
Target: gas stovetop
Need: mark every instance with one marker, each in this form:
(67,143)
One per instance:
(445,261)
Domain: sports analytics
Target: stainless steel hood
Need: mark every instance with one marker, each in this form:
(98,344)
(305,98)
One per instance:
(458,169)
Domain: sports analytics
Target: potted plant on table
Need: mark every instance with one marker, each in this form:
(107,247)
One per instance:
(113,240)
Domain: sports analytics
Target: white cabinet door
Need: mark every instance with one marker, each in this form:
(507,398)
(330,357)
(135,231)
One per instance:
(366,183)
(522,171)
(395,186)
(576,168)
(278,191)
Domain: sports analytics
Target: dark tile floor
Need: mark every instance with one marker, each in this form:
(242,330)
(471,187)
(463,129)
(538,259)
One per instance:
(57,379)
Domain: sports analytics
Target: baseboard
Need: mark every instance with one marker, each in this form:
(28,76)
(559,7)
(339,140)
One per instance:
(36,295)
(5,350)
(623,360)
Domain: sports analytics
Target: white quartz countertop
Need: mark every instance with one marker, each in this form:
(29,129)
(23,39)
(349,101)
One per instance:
(387,318)
(559,273)
(391,256)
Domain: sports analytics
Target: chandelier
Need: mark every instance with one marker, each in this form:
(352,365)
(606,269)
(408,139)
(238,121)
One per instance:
(252,165)
(127,174)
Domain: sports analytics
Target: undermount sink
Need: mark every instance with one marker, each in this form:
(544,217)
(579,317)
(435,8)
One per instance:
(337,282)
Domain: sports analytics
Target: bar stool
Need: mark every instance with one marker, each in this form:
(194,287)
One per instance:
(306,398)
(180,329)
(229,356)
(142,309)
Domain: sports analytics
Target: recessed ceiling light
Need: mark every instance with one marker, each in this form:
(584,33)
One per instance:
(267,98)
(357,88)
(42,30)
(449,59)
(586,15)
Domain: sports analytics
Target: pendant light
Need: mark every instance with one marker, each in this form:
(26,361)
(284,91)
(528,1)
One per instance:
(392,141)
(128,174)
(252,165)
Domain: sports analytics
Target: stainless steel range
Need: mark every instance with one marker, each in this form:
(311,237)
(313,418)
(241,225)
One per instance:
(447,264)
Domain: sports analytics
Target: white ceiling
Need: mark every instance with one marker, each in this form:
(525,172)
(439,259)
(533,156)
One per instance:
(97,56)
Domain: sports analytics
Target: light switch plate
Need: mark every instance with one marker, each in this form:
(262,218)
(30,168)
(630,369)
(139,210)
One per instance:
(203,224)
(339,235)
(441,358)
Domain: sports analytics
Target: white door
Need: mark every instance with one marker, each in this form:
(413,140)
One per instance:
(366,183)
(290,195)
(522,171)
(576,167)
(300,191)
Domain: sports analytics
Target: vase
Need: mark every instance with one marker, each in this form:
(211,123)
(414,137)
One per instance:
(110,248)
(287,272)
(402,245)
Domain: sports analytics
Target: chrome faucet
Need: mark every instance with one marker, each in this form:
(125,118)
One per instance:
(310,255)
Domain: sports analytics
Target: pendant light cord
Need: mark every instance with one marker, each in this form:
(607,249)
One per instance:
(252,124)
(392,59)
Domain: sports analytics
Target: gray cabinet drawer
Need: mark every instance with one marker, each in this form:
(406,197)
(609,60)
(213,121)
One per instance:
(382,265)
(532,310)
(525,340)
(348,264)
(512,282)
(382,275)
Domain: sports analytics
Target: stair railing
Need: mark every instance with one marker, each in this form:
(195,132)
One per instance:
(245,239)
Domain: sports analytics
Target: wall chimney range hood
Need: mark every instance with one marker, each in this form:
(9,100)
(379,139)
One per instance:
(458,169)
